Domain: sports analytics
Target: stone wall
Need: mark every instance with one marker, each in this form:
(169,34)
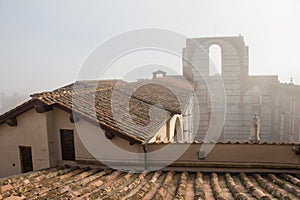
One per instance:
(234,68)
(245,94)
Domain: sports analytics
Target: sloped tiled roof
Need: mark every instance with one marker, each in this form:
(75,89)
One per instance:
(172,93)
(86,183)
(94,99)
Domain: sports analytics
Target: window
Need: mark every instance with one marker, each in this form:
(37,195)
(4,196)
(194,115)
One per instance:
(292,118)
(67,144)
(281,127)
(292,104)
(26,159)
(215,60)
(276,115)
(177,131)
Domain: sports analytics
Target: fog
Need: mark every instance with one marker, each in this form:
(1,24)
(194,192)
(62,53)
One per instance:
(45,43)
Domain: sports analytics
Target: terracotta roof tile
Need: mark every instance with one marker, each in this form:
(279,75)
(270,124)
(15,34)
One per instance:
(172,93)
(169,93)
(94,99)
(86,183)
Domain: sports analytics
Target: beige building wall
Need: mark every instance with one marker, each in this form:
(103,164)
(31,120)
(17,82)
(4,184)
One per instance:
(30,131)
(59,120)
(41,131)
(242,157)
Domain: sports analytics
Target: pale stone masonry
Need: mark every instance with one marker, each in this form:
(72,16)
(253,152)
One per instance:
(245,94)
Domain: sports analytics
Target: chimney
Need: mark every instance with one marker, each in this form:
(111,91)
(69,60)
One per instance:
(159,73)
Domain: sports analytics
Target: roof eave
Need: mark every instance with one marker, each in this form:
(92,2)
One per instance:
(103,126)
(20,110)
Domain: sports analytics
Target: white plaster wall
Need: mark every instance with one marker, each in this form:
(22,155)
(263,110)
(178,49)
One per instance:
(116,150)
(41,131)
(93,138)
(61,120)
(30,131)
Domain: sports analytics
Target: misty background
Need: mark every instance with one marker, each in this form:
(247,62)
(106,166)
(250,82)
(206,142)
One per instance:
(44,43)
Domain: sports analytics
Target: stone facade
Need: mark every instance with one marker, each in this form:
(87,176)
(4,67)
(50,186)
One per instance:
(245,94)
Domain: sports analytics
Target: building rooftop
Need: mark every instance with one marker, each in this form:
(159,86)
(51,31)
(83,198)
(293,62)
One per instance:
(95,183)
(94,100)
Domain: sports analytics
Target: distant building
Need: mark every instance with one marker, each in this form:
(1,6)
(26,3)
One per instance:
(276,104)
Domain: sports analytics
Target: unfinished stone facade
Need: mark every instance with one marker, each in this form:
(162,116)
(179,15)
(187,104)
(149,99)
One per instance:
(245,94)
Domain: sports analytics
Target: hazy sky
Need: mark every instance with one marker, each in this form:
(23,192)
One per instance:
(44,43)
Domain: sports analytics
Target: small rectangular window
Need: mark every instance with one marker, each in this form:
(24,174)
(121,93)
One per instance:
(26,159)
(67,144)
(292,105)
(281,127)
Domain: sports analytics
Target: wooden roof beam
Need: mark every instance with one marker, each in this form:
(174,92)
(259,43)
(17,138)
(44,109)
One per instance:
(12,122)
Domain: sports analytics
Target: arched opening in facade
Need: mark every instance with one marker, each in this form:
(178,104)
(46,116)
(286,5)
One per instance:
(215,60)
(177,131)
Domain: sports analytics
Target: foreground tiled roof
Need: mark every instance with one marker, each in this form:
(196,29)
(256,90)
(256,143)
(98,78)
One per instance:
(86,183)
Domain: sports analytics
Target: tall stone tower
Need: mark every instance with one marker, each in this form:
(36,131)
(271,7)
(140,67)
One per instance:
(234,69)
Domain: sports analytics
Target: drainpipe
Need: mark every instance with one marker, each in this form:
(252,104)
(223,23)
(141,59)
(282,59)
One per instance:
(145,156)
(144,144)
